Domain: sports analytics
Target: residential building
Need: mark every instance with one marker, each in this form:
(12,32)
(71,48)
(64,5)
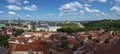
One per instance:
(54,28)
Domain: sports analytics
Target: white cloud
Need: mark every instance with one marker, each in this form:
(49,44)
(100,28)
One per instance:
(18,2)
(13,7)
(102,0)
(70,7)
(1,12)
(88,1)
(87,5)
(11,13)
(25,1)
(27,16)
(61,14)
(11,1)
(102,13)
(94,12)
(69,14)
(91,10)
(30,8)
(117,0)
(82,12)
(115,9)
(50,14)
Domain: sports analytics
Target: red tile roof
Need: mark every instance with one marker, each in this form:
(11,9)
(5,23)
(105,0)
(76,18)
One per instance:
(114,50)
(36,46)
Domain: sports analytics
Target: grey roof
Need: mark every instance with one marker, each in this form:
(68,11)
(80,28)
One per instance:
(3,50)
(30,51)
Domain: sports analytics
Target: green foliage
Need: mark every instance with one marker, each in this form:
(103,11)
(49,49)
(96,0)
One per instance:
(4,40)
(4,43)
(64,44)
(108,25)
(106,40)
(19,24)
(33,27)
(4,37)
(43,43)
(71,25)
(101,34)
(63,38)
(3,28)
(42,31)
(70,28)
(96,40)
(114,33)
(105,24)
(90,37)
(17,32)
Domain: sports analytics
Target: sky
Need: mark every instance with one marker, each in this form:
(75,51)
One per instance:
(59,10)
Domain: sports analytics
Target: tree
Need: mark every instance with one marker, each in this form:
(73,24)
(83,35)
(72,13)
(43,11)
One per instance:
(90,37)
(4,40)
(106,40)
(3,28)
(63,38)
(43,42)
(64,42)
(33,27)
(17,32)
(70,28)
(104,24)
(96,40)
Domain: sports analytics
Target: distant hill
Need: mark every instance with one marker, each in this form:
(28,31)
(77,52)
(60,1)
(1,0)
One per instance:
(108,25)
(105,24)
(70,27)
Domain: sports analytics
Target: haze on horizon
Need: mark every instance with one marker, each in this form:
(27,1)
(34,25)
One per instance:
(74,10)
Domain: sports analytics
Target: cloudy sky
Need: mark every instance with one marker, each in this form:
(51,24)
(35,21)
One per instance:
(74,10)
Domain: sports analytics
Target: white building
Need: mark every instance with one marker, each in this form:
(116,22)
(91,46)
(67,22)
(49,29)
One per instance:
(41,29)
(29,27)
(54,28)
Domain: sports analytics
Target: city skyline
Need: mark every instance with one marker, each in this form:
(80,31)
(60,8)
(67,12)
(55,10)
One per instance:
(59,10)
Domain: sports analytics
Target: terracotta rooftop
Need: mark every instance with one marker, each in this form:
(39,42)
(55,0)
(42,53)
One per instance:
(114,50)
(36,46)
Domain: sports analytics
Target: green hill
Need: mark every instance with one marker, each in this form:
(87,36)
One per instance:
(70,28)
(70,25)
(95,25)
(105,24)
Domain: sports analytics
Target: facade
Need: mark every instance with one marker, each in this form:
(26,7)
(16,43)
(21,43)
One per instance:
(29,27)
(41,29)
(54,28)
(50,28)
(26,52)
